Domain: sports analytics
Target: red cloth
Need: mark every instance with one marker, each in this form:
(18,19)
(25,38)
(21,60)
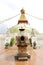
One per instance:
(22,21)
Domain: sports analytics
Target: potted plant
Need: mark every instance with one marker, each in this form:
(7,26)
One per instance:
(34,45)
(6,45)
(12,41)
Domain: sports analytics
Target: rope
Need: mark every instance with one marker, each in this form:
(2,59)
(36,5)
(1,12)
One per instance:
(9,18)
(34,16)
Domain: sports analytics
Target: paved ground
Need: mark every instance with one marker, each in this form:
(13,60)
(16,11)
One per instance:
(7,57)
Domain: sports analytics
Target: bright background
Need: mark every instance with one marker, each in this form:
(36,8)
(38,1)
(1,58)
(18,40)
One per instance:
(9,8)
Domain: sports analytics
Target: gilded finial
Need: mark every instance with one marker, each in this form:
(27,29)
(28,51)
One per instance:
(22,11)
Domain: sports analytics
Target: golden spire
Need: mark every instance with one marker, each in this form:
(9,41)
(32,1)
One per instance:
(22,17)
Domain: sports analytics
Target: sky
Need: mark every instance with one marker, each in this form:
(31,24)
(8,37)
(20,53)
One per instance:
(10,8)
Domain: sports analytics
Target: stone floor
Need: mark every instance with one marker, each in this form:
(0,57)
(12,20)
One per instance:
(7,57)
